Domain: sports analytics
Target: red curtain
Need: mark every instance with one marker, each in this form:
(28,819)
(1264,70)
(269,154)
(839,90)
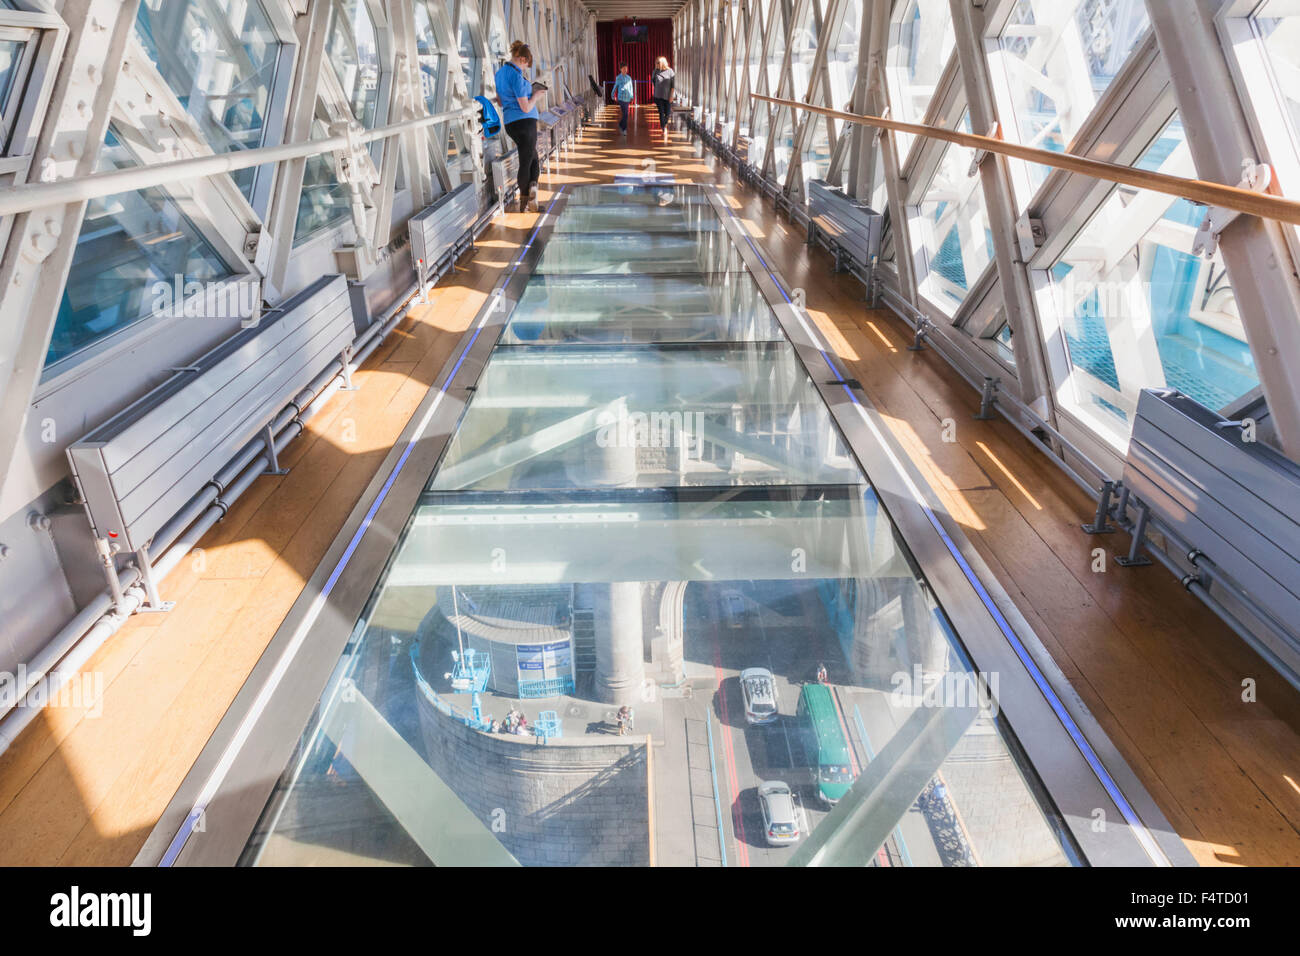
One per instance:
(640,57)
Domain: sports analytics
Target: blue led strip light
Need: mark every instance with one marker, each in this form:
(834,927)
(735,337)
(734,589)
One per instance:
(1140,830)
(241,735)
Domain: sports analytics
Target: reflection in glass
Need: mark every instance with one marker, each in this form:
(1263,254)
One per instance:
(710,566)
(128,245)
(220,61)
(1140,310)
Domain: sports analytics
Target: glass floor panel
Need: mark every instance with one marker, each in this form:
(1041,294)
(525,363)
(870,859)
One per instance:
(564,416)
(726,591)
(637,195)
(626,309)
(652,253)
(680,218)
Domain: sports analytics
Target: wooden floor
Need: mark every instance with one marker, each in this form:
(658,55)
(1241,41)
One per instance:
(1161,674)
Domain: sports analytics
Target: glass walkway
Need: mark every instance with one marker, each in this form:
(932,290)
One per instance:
(649,608)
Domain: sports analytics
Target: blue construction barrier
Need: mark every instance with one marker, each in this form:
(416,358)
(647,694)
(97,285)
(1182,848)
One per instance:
(547,725)
(532,689)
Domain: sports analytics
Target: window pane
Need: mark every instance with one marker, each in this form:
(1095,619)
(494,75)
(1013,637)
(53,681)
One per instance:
(924,40)
(221,68)
(776,55)
(129,243)
(755,48)
(803,51)
(324,201)
(782,142)
(1059,58)
(1140,311)
(469,53)
(817,151)
(954,234)
(352,50)
(433,65)
(1281,38)
(842,58)
(11,58)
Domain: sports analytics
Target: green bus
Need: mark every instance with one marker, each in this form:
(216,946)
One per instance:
(826,743)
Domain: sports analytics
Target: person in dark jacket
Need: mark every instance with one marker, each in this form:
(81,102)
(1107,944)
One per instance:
(662,84)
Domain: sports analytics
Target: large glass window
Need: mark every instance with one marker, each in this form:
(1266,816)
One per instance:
(133,248)
(353,51)
(1139,310)
(1057,59)
(953,234)
(220,61)
(921,42)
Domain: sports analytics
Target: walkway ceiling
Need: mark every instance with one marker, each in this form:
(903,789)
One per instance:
(625,9)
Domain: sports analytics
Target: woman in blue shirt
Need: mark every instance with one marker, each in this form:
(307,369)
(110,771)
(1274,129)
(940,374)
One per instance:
(623,93)
(519,116)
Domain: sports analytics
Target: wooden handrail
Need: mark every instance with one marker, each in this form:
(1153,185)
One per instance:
(1235,198)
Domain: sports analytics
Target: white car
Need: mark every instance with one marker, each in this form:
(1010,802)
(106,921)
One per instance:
(758,688)
(780,812)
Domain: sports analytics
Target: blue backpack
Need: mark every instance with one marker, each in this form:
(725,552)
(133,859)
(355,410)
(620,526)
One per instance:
(488,117)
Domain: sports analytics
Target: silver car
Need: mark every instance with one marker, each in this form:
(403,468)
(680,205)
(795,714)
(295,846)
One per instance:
(780,813)
(758,688)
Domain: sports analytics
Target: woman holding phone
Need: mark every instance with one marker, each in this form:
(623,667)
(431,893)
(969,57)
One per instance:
(519,115)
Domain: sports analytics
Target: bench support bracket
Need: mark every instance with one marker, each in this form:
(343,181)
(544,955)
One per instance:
(154,604)
(1100,524)
(273,458)
(1135,558)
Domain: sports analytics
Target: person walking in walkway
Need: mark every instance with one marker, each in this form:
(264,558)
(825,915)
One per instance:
(662,84)
(623,95)
(519,115)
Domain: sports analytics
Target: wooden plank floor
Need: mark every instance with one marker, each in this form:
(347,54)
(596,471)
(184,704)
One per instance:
(1161,674)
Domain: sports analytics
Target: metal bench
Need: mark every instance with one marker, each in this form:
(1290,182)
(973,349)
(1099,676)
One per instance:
(141,467)
(849,229)
(1231,503)
(442,232)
